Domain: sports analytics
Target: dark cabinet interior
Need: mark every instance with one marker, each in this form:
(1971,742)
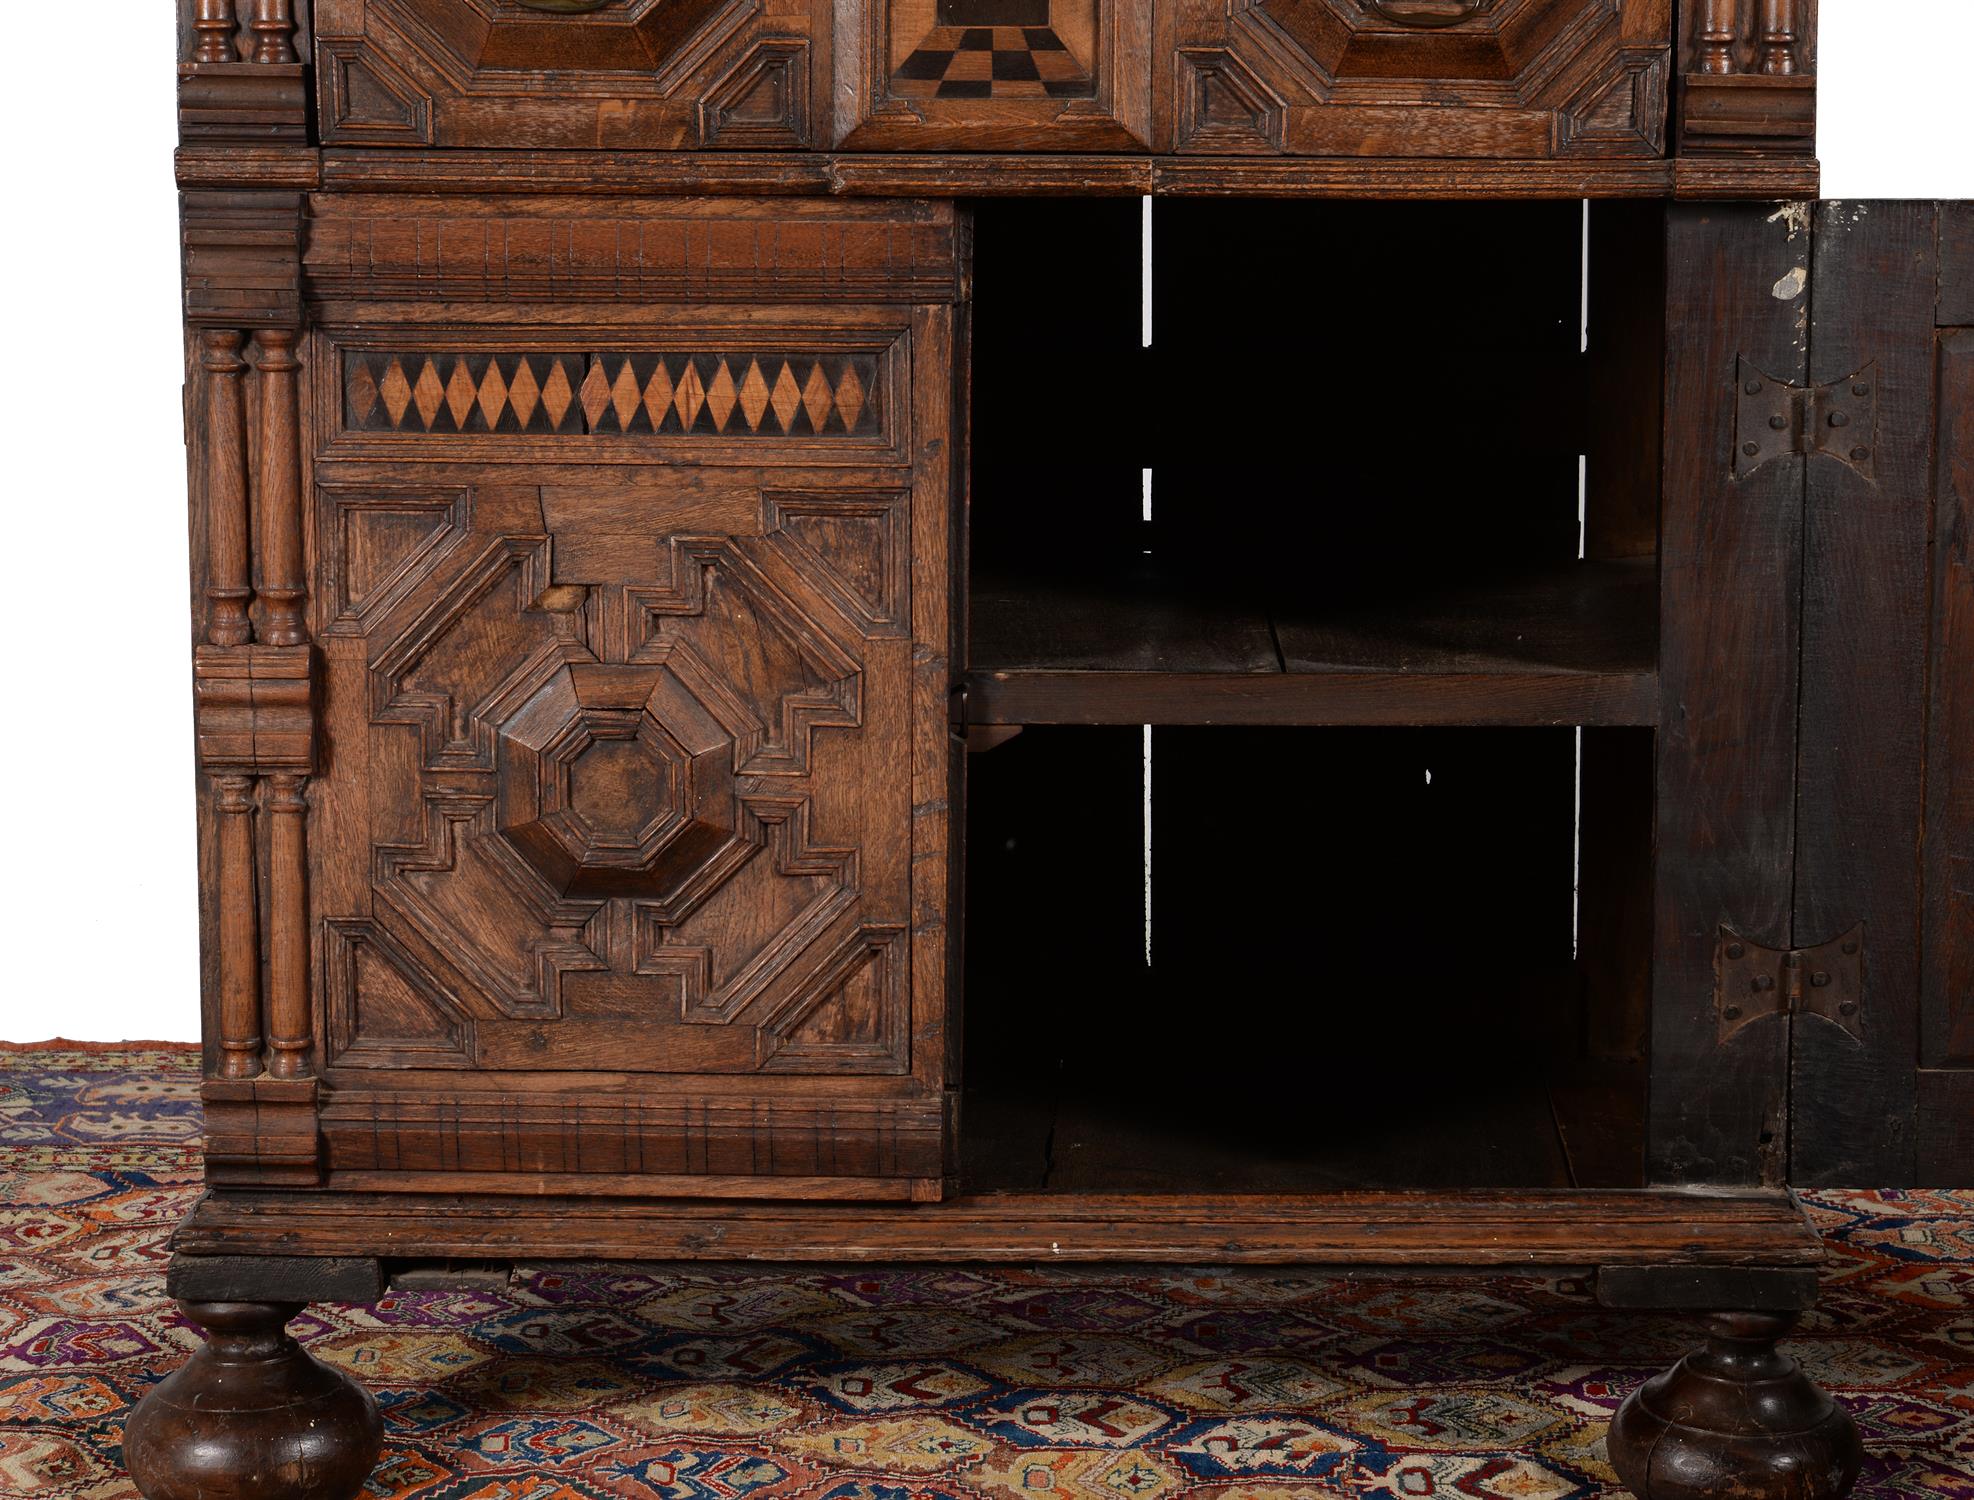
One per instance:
(1328,626)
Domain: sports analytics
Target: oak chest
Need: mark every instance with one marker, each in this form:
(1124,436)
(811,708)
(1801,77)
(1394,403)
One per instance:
(1312,631)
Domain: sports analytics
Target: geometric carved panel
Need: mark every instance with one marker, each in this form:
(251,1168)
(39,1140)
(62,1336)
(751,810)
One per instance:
(610,75)
(385,1009)
(854,545)
(376,540)
(1507,78)
(600,796)
(369,100)
(763,101)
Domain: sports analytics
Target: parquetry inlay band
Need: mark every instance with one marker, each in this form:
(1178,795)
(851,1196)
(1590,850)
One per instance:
(751,394)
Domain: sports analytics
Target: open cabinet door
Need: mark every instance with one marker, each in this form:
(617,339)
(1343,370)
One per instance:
(1882,1040)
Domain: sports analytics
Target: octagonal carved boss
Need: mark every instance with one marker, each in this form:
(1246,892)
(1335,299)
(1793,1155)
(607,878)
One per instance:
(618,781)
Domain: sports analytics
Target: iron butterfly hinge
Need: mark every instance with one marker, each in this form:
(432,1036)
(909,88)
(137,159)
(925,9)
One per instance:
(1775,419)
(1752,983)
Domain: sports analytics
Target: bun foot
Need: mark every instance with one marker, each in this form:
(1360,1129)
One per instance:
(252,1416)
(1736,1418)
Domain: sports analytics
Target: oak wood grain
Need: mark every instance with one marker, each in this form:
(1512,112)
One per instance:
(1573,1229)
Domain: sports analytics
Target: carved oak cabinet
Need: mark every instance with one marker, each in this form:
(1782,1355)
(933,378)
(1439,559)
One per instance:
(1397,579)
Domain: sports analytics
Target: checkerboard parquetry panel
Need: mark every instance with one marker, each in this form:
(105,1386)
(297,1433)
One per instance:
(992,62)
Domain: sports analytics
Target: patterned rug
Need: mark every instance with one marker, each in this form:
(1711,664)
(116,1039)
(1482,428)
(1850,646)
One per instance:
(916,1384)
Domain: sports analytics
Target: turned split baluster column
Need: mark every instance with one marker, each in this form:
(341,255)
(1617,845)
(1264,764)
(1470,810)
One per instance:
(277,491)
(1717,32)
(1749,89)
(239,939)
(213,25)
(1779,35)
(278,527)
(289,1023)
(228,559)
(256,705)
(273,26)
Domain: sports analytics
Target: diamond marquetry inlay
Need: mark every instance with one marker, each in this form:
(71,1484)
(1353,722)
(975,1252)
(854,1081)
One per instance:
(717,395)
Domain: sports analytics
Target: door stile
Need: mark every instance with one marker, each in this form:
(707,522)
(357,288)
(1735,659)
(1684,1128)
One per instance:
(1737,283)
(1862,757)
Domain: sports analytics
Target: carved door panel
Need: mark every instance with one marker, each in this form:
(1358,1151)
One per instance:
(635,648)
(627,74)
(994,75)
(1426,78)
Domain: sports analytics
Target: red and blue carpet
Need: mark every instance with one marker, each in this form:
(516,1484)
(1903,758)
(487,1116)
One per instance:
(695,1384)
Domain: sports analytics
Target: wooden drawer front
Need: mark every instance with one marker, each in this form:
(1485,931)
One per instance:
(994,75)
(643,74)
(1420,78)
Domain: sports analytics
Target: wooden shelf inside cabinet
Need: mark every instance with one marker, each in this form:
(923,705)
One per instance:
(1572,644)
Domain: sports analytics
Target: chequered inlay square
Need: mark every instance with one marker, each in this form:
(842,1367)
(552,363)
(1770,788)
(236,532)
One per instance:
(750,394)
(992,62)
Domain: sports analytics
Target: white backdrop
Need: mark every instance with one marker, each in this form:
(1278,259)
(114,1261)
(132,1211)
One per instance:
(96,753)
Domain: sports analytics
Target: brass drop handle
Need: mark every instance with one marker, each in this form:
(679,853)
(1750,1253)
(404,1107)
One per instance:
(1428,15)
